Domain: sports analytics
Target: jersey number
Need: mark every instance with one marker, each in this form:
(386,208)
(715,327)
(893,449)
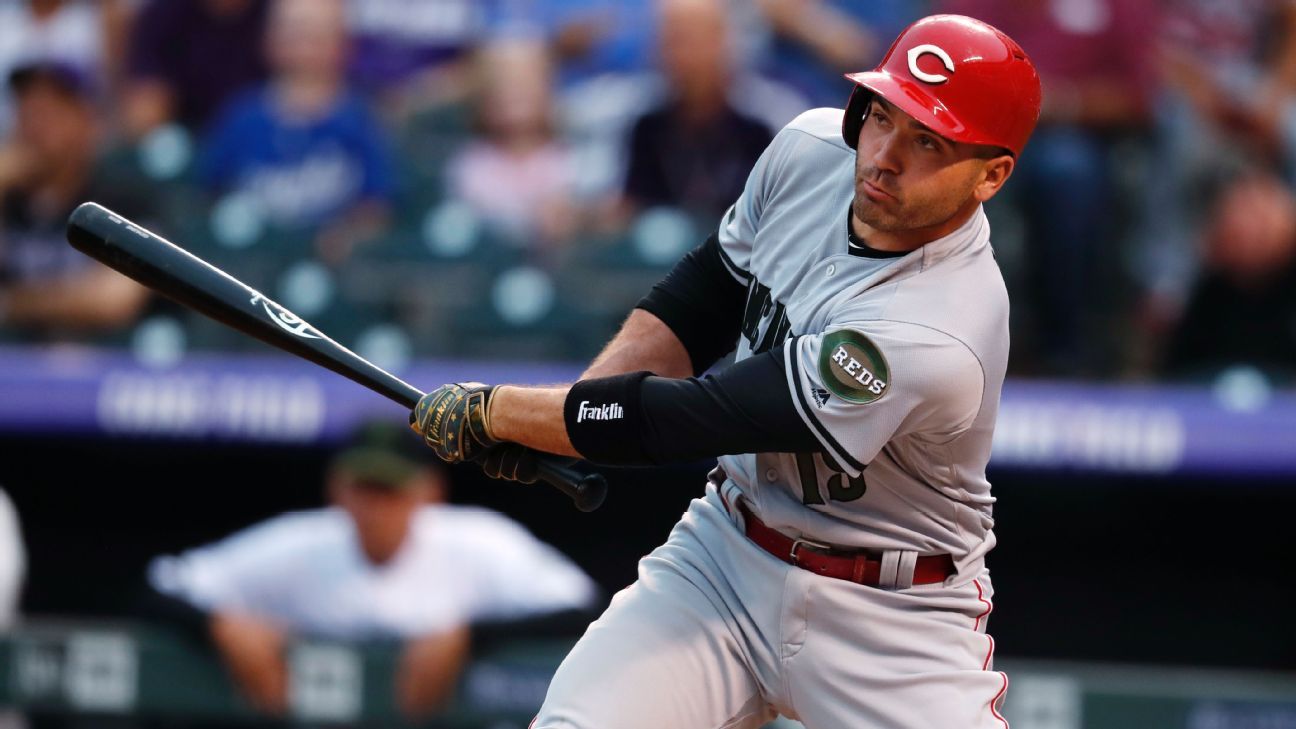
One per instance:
(840,486)
(765,322)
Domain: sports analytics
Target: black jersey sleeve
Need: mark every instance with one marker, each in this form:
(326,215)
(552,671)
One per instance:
(701,300)
(639,419)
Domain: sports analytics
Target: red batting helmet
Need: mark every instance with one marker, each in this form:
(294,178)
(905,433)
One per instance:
(962,78)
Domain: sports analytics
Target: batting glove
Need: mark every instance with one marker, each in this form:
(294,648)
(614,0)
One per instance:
(511,462)
(454,421)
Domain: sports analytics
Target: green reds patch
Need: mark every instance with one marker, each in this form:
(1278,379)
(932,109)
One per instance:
(852,367)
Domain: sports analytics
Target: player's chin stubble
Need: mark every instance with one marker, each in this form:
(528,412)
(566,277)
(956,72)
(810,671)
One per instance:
(882,220)
(908,214)
(886,219)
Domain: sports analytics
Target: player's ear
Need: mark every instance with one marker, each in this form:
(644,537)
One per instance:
(994,174)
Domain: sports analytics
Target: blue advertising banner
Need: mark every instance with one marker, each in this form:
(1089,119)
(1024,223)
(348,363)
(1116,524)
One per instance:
(1128,429)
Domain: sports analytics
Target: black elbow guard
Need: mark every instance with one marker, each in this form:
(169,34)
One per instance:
(636,419)
(603,418)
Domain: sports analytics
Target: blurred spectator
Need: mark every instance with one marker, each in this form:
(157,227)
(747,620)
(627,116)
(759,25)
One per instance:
(412,53)
(595,37)
(304,148)
(1242,309)
(816,41)
(610,55)
(1096,65)
(85,34)
(387,560)
(695,150)
(515,173)
(1229,72)
(1234,64)
(189,57)
(1094,56)
(47,167)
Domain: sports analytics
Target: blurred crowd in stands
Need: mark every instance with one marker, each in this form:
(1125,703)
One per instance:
(507,177)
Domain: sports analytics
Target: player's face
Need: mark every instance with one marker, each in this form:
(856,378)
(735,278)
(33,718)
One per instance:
(381,515)
(915,185)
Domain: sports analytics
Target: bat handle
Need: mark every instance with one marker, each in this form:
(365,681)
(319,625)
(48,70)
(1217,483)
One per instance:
(587,490)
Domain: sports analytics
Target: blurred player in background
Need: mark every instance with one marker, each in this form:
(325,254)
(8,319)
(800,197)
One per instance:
(13,563)
(388,560)
(13,570)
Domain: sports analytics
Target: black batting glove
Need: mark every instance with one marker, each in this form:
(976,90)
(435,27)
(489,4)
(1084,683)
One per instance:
(454,421)
(511,462)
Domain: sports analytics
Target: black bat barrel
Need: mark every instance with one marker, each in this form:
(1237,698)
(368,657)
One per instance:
(178,274)
(169,269)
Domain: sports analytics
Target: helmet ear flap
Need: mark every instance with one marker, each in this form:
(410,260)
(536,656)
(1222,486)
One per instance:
(853,121)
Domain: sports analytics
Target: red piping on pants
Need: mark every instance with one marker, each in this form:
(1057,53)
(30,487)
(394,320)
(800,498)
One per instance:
(989,607)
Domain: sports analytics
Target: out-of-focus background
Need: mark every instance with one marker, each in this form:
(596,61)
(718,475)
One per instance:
(482,189)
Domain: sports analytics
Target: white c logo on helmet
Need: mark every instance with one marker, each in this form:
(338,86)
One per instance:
(932,78)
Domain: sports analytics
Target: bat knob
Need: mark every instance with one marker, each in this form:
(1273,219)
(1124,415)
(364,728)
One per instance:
(586,490)
(591,490)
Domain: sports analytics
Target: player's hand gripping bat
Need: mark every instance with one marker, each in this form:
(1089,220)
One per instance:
(182,276)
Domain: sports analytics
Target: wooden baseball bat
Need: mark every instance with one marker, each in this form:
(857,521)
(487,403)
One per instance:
(165,267)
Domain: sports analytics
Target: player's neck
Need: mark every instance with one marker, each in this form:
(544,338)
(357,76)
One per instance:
(908,240)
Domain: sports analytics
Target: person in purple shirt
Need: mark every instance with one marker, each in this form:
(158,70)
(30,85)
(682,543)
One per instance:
(303,148)
(187,58)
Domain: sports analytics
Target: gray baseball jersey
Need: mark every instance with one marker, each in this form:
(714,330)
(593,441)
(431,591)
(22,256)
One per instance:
(895,364)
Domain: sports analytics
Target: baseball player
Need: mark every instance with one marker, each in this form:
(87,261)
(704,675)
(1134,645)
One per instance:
(834,570)
(387,560)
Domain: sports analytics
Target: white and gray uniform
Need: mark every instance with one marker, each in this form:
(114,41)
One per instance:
(13,563)
(306,570)
(896,365)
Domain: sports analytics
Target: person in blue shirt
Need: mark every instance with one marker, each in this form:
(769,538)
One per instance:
(815,41)
(594,37)
(303,149)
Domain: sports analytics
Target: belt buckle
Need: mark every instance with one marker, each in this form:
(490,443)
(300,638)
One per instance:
(798,543)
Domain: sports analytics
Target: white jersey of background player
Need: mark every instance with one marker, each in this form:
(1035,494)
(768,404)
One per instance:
(833,572)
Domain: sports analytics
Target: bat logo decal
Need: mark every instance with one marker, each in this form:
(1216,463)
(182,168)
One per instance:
(128,225)
(284,319)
